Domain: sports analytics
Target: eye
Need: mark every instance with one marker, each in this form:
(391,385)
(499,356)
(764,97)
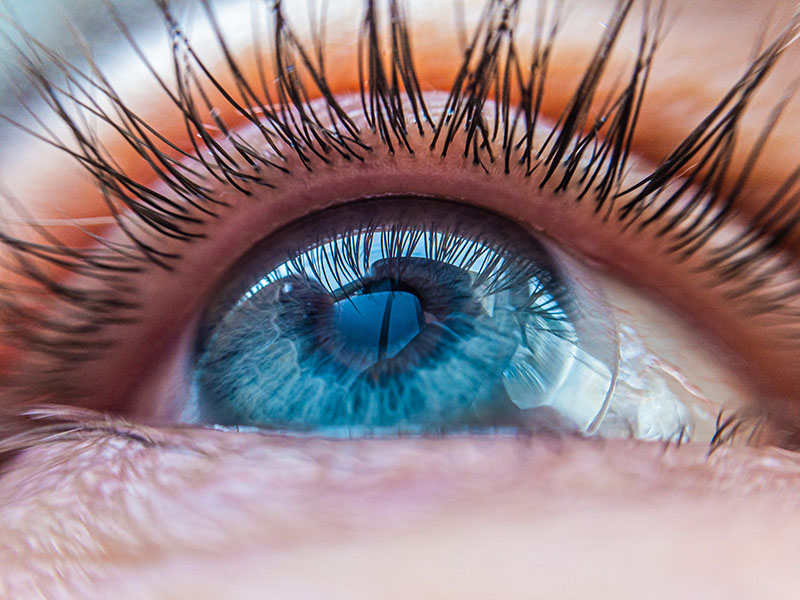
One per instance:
(402,315)
(262,169)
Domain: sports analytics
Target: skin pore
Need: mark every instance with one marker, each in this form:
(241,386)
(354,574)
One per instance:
(196,513)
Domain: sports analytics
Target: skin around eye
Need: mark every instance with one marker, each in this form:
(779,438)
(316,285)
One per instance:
(185,514)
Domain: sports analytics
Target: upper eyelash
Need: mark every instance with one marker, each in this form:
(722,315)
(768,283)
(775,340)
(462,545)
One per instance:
(587,156)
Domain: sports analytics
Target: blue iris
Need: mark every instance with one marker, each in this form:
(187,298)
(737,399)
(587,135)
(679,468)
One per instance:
(395,325)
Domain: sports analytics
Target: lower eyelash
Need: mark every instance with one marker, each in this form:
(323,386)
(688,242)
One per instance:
(494,106)
(48,424)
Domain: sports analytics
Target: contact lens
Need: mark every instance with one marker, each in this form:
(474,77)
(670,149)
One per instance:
(402,315)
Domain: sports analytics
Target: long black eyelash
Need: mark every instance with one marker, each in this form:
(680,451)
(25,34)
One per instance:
(587,155)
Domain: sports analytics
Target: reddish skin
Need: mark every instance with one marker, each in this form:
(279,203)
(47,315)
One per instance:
(240,515)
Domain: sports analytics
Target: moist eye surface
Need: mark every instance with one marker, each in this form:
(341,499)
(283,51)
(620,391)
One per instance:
(401,315)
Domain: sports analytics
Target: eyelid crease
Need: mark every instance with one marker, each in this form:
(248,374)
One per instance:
(314,137)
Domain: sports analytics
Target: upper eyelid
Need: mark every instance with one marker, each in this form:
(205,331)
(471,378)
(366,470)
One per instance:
(566,23)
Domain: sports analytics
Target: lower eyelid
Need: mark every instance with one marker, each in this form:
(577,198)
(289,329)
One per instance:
(187,457)
(253,490)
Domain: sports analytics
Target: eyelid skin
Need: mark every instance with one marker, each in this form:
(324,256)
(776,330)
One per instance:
(199,514)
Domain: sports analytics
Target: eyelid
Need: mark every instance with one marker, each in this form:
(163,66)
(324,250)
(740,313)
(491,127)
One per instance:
(663,123)
(214,475)
(599,255)
(252,497)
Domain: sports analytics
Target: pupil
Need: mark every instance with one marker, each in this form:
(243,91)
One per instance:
(378,324)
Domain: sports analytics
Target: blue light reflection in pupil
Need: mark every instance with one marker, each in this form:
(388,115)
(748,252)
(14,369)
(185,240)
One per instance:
(393,325)
(378,324)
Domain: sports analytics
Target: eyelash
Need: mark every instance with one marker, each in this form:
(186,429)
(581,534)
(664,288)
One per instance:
(583,155)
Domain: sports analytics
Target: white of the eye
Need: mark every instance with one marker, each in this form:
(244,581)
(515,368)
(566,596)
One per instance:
(671,383)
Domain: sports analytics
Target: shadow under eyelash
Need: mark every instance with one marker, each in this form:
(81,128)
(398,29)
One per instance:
(494,105)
